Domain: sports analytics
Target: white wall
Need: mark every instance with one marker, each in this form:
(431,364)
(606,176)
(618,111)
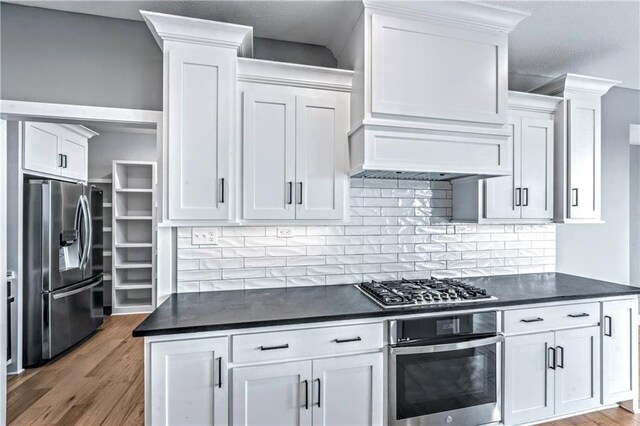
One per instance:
(602,251)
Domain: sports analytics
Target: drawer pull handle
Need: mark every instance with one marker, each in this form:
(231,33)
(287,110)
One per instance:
(608,329)
(355,339)
(582,315)
(532,320)
(272,348)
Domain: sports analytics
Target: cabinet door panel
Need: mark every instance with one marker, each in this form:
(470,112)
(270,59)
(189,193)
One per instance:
(529,378)
(501,198)
(584,157)
(269,156)
(620,337)
(348,390)
(272,395)
(189,383)
(437,71)
(578,372)
(41,147)
(75,148)
(321,175)
(199,133)
(537,168)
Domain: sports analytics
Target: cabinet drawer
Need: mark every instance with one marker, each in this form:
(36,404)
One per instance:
(551,317)
(308,342)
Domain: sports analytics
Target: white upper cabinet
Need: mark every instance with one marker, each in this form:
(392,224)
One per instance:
(430,89)
(578,155)
(294,141)
(527,194)
(199,140)
(56,150)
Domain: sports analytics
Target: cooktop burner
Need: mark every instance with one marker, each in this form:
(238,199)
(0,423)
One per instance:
(432,291)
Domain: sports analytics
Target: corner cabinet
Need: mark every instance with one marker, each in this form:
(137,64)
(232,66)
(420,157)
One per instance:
(578,155)
(199,114)
(56,150)
(294,141)
(527,194)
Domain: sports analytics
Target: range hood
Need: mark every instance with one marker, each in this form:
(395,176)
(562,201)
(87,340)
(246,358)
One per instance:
(393,152)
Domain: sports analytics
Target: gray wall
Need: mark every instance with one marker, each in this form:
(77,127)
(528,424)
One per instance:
(110,146)
(70,58)
(602,250)
(634,214)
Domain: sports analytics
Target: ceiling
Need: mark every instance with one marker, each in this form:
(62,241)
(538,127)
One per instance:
(598,38)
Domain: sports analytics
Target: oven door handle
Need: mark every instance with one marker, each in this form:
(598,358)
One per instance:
(467,344)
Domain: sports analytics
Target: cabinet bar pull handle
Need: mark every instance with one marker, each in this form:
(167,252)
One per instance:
(271,348)
(532,320)
(574,197)
(608,326)
(306,394)
(319,391)
(290,195)
(525,194)
(518,197)
(60,160)
(584,314)
(561,356)
(552,363)
(221,190)
(355,339)
(65,161)
(220,372)
(299,193)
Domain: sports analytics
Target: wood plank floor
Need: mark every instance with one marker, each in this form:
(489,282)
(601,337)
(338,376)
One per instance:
(101,382)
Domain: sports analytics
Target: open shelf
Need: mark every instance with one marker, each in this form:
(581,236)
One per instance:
(107,229)
(132,175)
(133,238)
(103,180)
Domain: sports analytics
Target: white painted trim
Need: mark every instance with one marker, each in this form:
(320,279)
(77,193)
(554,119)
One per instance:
(634,134)
(166,27)
(3,271)
(470,14)
(576,83)
(83,131)
(20,109)
(294,75)
(521,101)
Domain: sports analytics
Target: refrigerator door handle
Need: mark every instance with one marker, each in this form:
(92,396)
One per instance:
(75,291)
(89,227)
(87,234)
(77,227)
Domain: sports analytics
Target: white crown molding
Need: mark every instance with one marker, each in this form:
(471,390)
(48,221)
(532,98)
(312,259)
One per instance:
(476,14)
(83,131)
(286,74)
(521,101)
(200,31)
(576,83)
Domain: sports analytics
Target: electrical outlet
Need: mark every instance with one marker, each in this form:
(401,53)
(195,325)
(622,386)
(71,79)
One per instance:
(285,231)
(204,236)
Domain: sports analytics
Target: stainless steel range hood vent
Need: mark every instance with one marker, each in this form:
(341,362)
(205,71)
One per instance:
(385,174)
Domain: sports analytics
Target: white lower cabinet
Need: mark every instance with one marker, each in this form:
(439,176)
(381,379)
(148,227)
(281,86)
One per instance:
(619,337)
(550,374)
(334,391)
(577,384)
(187,384)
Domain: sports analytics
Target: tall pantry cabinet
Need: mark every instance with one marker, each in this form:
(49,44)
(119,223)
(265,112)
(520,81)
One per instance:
(200,71)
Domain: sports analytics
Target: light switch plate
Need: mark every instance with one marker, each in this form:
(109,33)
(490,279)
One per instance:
(285,231)
(204,236)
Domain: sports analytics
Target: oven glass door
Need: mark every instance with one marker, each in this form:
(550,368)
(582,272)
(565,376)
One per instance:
(459,379)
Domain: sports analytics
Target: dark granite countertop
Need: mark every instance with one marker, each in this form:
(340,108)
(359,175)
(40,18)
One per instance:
(226,310)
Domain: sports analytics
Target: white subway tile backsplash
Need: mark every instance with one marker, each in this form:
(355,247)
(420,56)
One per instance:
(398,229)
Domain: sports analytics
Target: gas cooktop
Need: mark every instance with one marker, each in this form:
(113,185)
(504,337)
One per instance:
(432,291)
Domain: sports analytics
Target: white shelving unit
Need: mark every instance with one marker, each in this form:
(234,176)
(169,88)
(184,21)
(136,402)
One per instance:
(133,236)
(105,184)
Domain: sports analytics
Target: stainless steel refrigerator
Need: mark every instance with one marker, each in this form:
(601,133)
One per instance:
(63,288)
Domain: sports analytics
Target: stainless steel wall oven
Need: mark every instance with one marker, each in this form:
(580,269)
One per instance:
(445,370)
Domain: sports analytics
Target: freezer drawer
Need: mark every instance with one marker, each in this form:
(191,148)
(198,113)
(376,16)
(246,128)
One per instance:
(71,314)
